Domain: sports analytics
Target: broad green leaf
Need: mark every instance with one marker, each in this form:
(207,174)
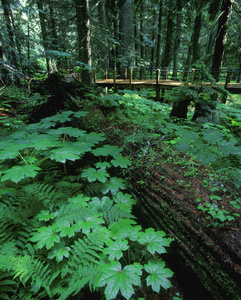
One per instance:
(117,279)
(107,150)
(115,249)
(155,240)
(75,132)
(90,223)
(9,153)
(60,251)
(124,198)
(44,141)
(80,114)
(79,199)
(45,215)
(92,137)
(102,165)
(106,203)
(121,161)
(113,185)
(93,175)
(66,229)
(64,153)
(159,275)
(45,236)
(18,173)
(125,228)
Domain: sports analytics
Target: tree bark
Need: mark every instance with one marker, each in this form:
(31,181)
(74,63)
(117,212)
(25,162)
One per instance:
(83,29)
(196,36)
(7,15)
(44,33)
(221,38)
(167,54)
(158,44)
(104,51)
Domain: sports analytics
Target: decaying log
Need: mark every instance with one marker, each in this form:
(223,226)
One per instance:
(167,201)
(61,98)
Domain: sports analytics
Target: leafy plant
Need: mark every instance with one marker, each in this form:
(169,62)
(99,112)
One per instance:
(65,223)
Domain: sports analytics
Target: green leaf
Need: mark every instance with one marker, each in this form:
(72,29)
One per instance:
(18,173)
(75,132)
(67,152)
(124,198)
(159,275)
(125,228)
(117,279)
(102,165)
(60,251)
(92,137)
(45,237)
(93,174)
(155,240)
(107,150)
(9,153)
(121,161)
(90,223)
(80,199)
(113,185)
(66,229)
(115,248)
(45,215)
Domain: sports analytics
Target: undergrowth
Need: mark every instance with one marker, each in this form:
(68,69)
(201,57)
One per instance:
(66,219)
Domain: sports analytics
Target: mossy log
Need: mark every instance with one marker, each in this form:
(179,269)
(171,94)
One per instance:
(167,201)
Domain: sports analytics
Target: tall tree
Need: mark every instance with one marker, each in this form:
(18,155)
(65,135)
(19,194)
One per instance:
(221,38)
(42,16)
(167,53)
(158,44)
(9,24)
(83,30)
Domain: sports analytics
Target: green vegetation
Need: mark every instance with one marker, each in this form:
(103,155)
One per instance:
(65,223)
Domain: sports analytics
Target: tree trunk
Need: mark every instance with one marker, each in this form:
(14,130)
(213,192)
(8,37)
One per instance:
(83,29)
(167,54)
(127,35)
(142,39)
(196,36)
(208,256)
(158,44)
(177,41)
(44,33)
(104,51)
(154,25)
(7,15)
(221,38)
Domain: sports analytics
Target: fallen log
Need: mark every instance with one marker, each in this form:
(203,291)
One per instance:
(210,249)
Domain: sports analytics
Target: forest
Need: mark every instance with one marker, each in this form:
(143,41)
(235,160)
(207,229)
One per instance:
(120,149)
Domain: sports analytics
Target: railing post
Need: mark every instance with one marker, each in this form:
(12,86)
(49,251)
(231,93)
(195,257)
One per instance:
(130,78)
(228,77)
(157,85)
(125,73)
(114,74)
(106,74)
(166,73)
(193,73)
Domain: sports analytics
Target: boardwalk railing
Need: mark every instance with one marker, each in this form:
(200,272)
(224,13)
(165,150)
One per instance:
(226,75)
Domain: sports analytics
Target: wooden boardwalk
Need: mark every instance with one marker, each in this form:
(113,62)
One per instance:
(234,88)
(163,80)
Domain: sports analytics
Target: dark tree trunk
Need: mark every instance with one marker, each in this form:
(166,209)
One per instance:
(44,33)
(83,29)
(154,24)
(104,51)
(158,45)
(196,37)
(221,38)
(167,54)
(8,19)
(180,108)
(177,41)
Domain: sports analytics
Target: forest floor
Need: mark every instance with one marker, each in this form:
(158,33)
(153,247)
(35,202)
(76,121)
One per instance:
(169,186)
